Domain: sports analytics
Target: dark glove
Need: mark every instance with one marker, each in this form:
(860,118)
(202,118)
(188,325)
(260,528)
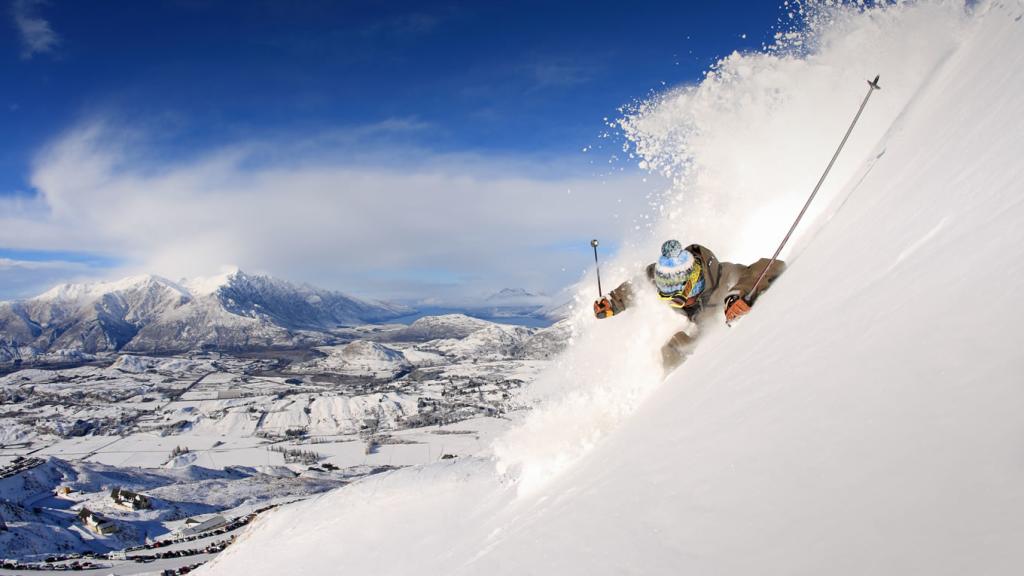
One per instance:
(735,307)
(603,308)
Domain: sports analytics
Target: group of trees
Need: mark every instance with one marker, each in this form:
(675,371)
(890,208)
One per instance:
(295,456)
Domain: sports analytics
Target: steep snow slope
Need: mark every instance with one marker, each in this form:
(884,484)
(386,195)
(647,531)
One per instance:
(865,419)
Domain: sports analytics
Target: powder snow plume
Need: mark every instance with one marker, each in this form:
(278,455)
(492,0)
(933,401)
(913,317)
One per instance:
(743,149)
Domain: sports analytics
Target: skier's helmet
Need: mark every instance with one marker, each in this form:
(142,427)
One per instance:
(677,273)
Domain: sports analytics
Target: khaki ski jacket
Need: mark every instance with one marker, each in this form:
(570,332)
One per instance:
(721,280)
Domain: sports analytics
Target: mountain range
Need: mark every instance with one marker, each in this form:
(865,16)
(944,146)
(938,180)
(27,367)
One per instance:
(153,314)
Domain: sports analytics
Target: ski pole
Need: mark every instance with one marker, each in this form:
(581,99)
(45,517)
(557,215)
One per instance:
(872,86)
(593,244)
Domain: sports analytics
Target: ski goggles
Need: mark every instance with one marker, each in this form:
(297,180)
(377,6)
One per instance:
(686,294)
(677,299)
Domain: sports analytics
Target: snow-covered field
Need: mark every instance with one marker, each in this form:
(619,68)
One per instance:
(206,432)
(864,419)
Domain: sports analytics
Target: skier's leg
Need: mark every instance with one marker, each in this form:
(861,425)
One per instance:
(676,350)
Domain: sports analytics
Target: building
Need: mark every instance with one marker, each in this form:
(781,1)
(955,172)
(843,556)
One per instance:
(196,526)
(130,500)
(96,523)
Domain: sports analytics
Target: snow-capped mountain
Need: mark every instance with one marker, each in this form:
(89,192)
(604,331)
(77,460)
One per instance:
(510,302)
(519,302)
(150,313)
(301,307)
(517,297)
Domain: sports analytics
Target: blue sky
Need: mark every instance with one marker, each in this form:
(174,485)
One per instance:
(164,103)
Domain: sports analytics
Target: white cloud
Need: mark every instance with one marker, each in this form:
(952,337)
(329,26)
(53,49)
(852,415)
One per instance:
(389,222)
(559,74)
(37,36)
(24,278)
(11,264)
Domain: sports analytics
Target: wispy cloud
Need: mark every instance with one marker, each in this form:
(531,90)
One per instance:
(37,36)
(406,25)
(9,264)
(389,222)
(558,73)
(25,278)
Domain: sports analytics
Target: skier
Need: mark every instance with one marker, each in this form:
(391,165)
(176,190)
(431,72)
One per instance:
(689,280)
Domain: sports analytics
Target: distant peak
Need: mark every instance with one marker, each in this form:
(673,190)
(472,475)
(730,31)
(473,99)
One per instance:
(517,294)
(92,290)
(205,285)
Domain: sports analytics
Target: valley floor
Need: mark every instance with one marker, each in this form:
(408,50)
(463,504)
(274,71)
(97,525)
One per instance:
(206,435)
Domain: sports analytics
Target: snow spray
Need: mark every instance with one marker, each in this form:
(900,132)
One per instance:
(729,191)
(872,86)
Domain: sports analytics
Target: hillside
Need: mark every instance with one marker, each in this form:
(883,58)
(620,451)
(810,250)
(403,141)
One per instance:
(864,419)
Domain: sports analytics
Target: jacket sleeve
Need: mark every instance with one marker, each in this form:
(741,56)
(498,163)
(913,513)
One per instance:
(749,275)
(622,297)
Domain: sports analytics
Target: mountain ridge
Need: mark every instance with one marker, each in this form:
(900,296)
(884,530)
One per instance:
(149,313)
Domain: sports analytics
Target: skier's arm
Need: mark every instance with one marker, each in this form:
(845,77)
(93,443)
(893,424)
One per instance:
(622,297)
(741,294)
(615,302)
(748,277)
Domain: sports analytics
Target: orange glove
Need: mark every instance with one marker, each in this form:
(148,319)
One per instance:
(735,307)
(603,308)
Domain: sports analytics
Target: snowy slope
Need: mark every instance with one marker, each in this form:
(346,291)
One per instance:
(494,341)
(40,524)
(865,419)
(360,357)
(436,327)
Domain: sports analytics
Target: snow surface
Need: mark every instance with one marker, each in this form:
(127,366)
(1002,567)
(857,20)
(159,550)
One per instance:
(864,419)
(143,419)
